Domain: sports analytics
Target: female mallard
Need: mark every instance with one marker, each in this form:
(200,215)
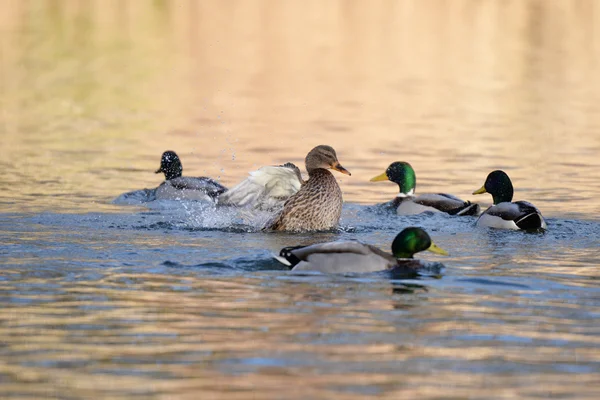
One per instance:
(178,187)
(265,189)
(504,213)
(357,257)
(318,203)
(406,203)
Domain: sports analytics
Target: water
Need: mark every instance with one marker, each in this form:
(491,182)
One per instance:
(172,300)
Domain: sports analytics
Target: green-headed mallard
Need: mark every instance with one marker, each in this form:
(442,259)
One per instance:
(318,203)
(406,203)
(265,189)
(178,187)
(358,257)
(504,213)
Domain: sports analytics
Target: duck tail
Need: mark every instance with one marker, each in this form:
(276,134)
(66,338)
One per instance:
(467,209)
(287,257)
(282,260)
(530,221)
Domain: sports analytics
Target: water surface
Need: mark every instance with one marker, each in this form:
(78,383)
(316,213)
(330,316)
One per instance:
(172,300)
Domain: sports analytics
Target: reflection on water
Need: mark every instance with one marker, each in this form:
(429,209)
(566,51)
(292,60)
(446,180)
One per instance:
(147,304)
(184,335)
(102,301)
(92,93)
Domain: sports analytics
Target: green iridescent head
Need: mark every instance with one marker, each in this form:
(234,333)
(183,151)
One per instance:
(497,184)
(402,173)
(170,165)
(413,240)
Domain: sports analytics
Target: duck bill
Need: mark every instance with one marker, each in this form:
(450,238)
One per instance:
(379,178)
(481,190)
(341,169)
(437,250)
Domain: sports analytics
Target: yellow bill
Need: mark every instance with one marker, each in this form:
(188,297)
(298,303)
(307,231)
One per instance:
(481,190)
(437,250)
(381,177)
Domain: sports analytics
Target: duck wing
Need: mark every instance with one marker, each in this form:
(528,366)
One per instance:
(337,257)
(208,185)
(265,188)
(531,217)
(189,188)
(447,203)
(522,213)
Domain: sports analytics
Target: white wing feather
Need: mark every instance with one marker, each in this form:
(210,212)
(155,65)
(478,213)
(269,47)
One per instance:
(264,188)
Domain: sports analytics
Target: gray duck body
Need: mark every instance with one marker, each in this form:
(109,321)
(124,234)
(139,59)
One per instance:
(348,257)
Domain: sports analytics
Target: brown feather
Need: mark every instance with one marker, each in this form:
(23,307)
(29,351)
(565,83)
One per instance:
(316,206)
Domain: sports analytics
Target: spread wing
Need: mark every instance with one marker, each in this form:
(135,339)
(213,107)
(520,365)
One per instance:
(264,188)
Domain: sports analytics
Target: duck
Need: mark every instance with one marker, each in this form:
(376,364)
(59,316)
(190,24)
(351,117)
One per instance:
(265,189)
(358,257)
(407,203)
(317,205)
(504,213)
(178,187)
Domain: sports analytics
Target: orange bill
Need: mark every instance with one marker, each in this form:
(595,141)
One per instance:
(341,169)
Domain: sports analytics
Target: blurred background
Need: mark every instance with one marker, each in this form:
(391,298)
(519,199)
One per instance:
(93,91)
(101,301)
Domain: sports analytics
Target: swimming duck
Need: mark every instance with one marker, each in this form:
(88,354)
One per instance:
(318,203)
(178,187)
(504,213)
(406,203)
(265,189)
(358,257)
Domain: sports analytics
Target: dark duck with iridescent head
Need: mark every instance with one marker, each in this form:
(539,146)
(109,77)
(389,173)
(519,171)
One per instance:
(179,187)
(504,213)
(407,203)
(357,257)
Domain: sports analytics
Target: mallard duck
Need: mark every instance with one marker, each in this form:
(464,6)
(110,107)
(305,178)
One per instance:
(504,213)
(358,257)
(406,203)
(265,189)
(178,187)
(318,203)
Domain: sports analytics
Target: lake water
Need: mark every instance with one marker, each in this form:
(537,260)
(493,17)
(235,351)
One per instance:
(177,300)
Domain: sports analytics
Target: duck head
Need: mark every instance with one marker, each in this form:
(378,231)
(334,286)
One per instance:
(413,240)
(170,165)
(497,184)
(323,157)
(401,173)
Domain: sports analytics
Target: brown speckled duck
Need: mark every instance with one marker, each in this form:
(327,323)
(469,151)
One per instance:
(318,204)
